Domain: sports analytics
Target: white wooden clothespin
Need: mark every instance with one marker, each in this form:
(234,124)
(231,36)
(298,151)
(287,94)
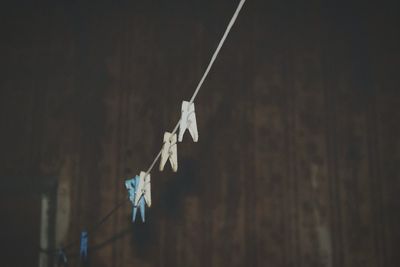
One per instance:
(169,151)
(188,121)
(143,189)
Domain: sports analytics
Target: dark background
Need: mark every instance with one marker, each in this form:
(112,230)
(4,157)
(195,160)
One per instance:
(298,157)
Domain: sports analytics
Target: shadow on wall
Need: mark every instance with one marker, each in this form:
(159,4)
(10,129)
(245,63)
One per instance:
(177,188)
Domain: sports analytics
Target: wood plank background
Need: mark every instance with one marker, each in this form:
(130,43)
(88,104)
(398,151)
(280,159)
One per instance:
(298,158)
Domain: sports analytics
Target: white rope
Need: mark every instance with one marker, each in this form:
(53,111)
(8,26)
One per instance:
(233,19)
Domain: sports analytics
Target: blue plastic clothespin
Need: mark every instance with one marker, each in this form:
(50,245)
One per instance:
(61,257)
(84,245)
(132,185)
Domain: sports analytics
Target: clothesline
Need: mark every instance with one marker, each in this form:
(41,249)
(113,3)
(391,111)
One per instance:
(199,86)
(221,42)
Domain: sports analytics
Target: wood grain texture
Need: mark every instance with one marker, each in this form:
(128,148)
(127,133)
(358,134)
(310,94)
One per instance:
(298,152)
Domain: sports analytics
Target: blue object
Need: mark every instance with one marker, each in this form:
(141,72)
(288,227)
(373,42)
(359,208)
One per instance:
(84,245)
(132,185)
(61,258)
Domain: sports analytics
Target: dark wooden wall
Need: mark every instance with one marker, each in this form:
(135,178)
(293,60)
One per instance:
(297,160)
